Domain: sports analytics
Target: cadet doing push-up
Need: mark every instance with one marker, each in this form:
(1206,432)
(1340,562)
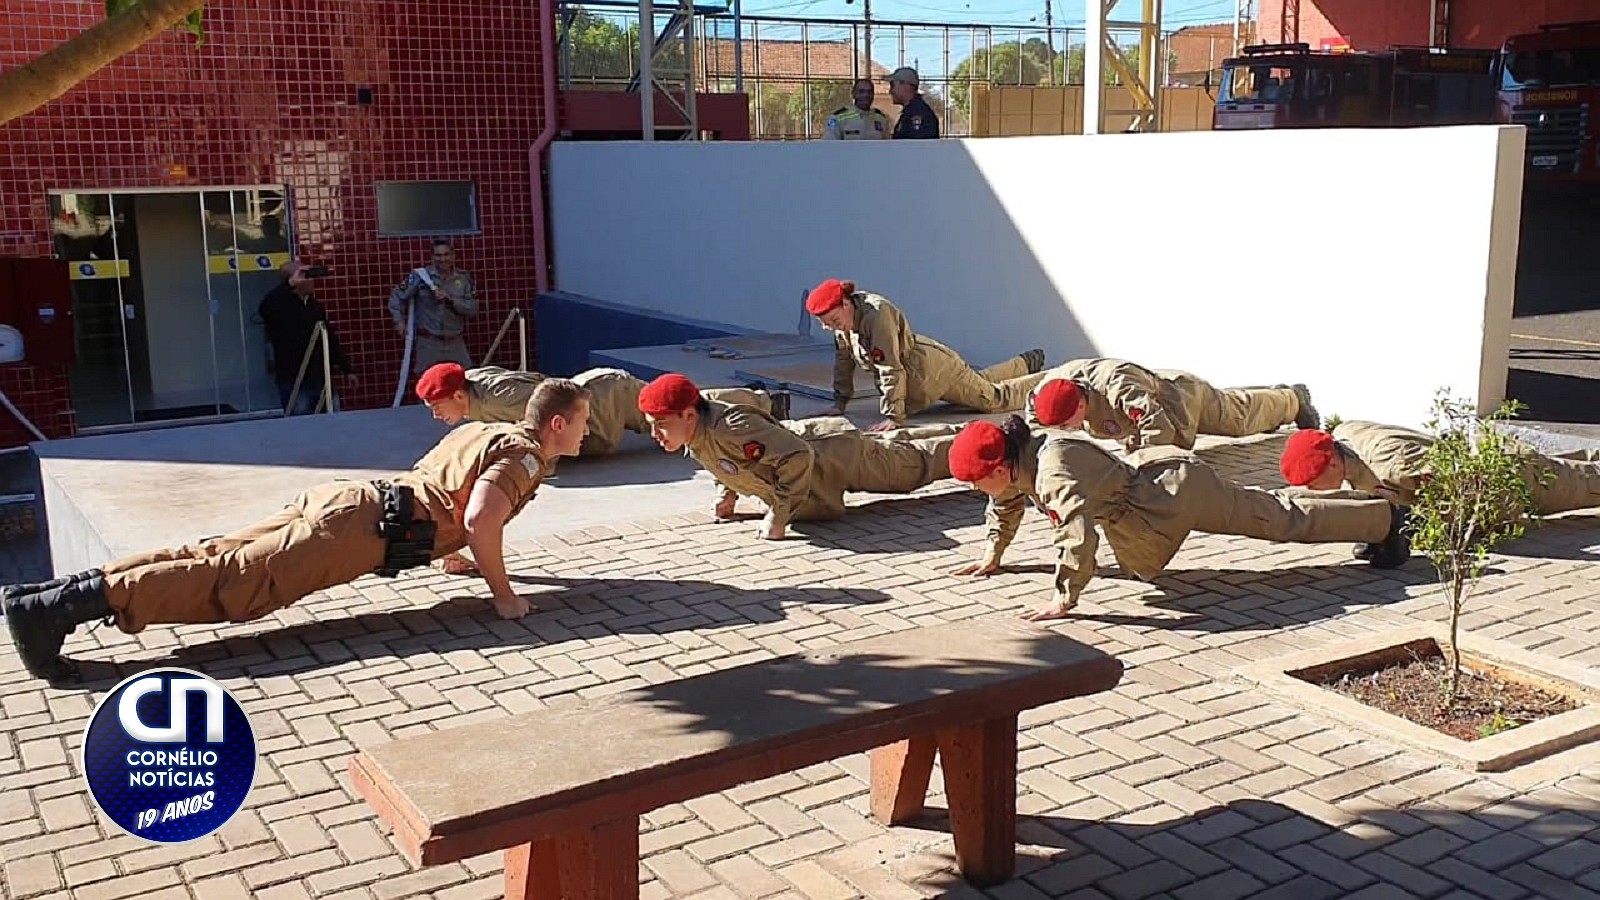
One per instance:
(1147,503)
(800,470)
(460,494)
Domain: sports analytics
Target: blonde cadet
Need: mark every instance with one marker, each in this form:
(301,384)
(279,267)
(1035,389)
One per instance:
(913,371)
(1147,503)
(800,470)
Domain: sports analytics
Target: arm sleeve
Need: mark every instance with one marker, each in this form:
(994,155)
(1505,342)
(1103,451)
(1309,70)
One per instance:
(788,459)
(467,303)
(1004,517)
(844,371)
(516,475)
(891,373)
(399,297)
(1152,426)
(1075,541)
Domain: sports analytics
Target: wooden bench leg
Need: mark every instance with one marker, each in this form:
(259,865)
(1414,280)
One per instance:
(900,774)
(600,863)
(980,778)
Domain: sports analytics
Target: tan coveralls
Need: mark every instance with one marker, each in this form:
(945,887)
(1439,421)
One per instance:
(801,470)
(1388,456)
(441,317)
(1148,504)
(614,407)
(914,371)
(327,536)
(1142,407)
(499,395)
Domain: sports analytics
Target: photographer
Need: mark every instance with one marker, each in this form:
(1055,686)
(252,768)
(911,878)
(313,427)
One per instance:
(290,314)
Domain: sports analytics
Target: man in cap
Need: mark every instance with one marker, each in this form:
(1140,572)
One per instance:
(858,121)
(917,120)
(800,470)
(460,494)
(1392,462)
(1147,503)
(488,394)
(1116,399)
(913,371)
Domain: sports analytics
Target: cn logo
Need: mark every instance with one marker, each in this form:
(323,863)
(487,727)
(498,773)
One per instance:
(178,689)
(169,755)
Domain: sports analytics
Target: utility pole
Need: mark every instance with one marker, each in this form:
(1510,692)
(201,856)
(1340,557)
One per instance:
(866,14)
(1049,46)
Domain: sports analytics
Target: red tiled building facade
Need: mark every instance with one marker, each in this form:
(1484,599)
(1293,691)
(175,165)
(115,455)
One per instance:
(281,126)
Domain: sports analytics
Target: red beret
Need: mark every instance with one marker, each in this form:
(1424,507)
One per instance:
(441,381)
(825,296)
(670,394)
(978,449)
(1056,401)
(1306,455)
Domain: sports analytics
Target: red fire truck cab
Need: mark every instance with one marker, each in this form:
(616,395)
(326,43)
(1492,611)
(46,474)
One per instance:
(1293,86)
(1548,82)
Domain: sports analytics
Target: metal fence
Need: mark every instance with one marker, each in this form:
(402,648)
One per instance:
(798,71)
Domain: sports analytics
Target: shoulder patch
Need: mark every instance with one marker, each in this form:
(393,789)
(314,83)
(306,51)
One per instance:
(1111,427)
(754,450)
(728,466)
(876,354)
(1135,414)
(530,461)
(833,121)
(1055,517)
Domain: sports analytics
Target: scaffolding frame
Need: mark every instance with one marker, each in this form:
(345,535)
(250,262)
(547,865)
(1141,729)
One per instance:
(656,77)
(1100,51)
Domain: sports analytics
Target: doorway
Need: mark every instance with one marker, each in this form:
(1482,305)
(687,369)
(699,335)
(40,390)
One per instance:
(165,289)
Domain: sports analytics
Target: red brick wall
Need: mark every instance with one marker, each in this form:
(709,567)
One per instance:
(270,98)
(1376,24)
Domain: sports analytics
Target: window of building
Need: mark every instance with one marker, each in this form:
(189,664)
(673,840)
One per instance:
(428,208)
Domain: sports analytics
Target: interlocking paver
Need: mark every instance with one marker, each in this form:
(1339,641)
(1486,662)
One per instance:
(1183,782)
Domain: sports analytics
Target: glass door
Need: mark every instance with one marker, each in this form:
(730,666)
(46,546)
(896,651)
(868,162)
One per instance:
(247,245)
(98,238)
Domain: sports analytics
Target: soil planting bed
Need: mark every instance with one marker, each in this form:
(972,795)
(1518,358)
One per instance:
(1486,703)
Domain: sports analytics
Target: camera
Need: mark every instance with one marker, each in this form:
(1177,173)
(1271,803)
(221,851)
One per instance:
(316,272)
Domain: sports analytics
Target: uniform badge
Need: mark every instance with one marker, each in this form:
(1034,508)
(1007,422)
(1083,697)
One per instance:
(1055,517)
(728,466)
(1135,414)
(754,450)
(832,122)
(531,462)
(916,121)
(1111,427)
(876,354)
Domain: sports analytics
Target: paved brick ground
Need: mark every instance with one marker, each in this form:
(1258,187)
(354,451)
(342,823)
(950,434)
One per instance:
(1183,783)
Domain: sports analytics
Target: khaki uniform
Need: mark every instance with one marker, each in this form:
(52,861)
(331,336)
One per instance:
(801,470)
(914,371)
(499,395)
(1388,456)
(1142,407)
(614,407)
(441,317)
(327,536)
(1150,502)
(851,123)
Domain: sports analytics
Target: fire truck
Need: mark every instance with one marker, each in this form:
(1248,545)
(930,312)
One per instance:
(1548,81)
(1294,86)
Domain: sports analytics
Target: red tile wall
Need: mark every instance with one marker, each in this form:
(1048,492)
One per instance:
(270,98)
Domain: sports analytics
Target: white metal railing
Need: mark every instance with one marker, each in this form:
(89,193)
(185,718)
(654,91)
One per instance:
(517,316)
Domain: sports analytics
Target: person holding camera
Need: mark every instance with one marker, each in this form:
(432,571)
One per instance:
(290,314)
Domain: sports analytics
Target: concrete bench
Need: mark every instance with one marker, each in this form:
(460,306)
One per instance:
(561,790)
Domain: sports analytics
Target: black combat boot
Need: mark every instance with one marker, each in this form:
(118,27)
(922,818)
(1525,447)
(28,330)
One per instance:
(40,616)
(1035,360)
(780,405)
(1393,551)
(1308,417)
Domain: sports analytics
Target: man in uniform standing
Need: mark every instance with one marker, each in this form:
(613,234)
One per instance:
(916,120)
(1392,462)
(442,298)
(913,371)
(461,494)
(489,394)
(858,121)
(1147,503)
(1115,399)
(800,470)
